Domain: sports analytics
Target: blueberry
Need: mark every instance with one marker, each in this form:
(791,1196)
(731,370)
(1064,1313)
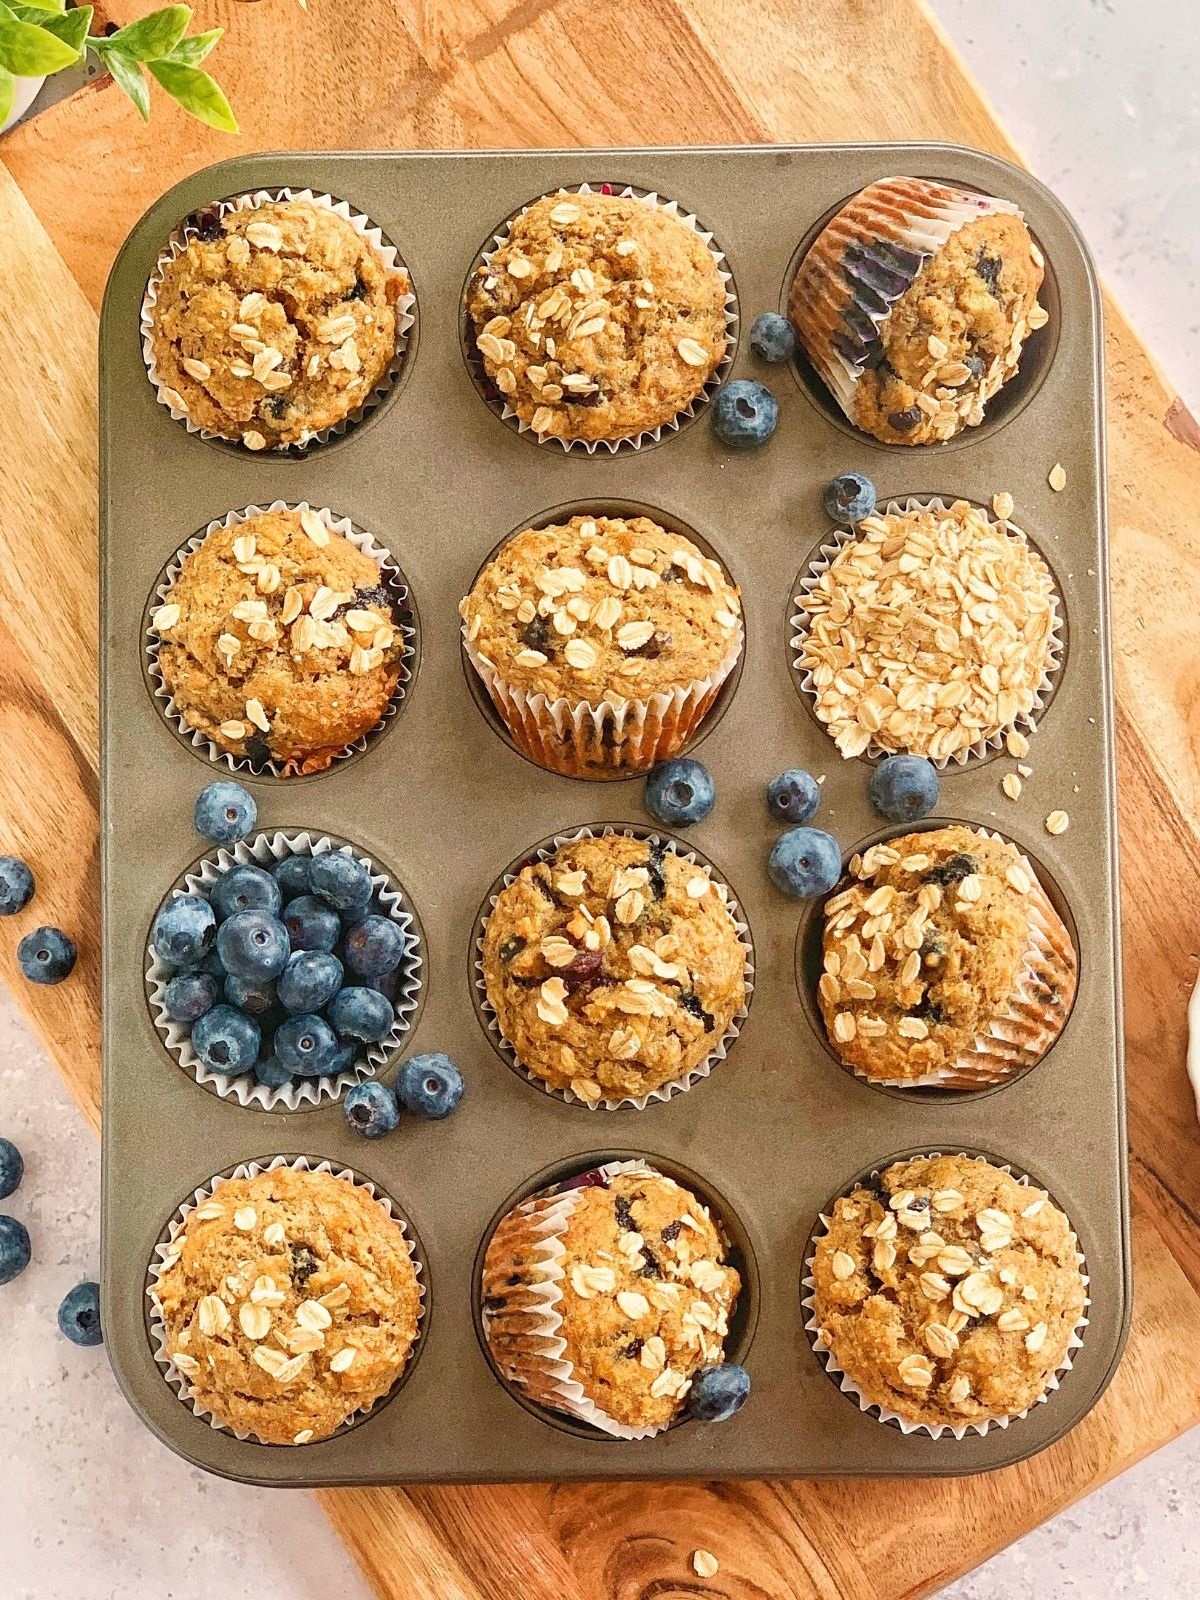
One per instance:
(744,413)
(273,1073)
(311,924)
(342,880)
(16,885)
(12,1168)
(371,1109)
(679,792)
(772,337)
(293,874)
(805,862)
(903,788)
(47,955)
(794,796)
(224,812)
(184,930)
(362,1014)
(430,1085)
(374,947)
(849,498)
(253,945)
(306,1044)
(190,995)
(79,1315)
(14,1249)
(717,1392)
(244,889)
(255,996)
(309,981)
(227,1041)
(343,1061)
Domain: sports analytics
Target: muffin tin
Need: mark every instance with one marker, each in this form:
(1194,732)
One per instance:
(444,804)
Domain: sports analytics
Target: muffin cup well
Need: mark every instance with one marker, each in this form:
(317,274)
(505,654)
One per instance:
(875,1408)
(837,539)
(263,850)
(176,245)
(891,229)
(392,576)
(633,441)
(675,1086)
(166,1253)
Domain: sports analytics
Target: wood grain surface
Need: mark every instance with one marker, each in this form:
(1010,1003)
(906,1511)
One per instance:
(512,73)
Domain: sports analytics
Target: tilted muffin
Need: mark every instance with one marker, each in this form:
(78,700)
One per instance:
(613,968)
(274,323)
(944,963)
(913,304)
(280,640)
(599,317)
(948,1293)
(292,1303)
(933,630)
(602,641)
(623,1275)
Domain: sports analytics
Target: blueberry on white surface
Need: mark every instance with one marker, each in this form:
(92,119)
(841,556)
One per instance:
(12,1168)
(15,1252)
(79,1315)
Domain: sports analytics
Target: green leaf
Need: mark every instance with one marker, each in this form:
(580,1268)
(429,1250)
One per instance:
(44,5)
(129,76)
(71,26)
(31,52)
(191,52)
(8,87)
(197,93)
(153,36)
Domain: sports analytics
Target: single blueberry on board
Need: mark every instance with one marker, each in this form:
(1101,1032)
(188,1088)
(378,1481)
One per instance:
(184,930)
(371,1109)
(849,498)
(293,875)
(253,944)
(255,996)
(362,1014)
(245,889)
(189,995)
(744,413)
(679,792)
(79,1315)
(306,1043)
(772,337)
(374,946)
(227,1041)
(903,788)
(311,924)
(47,955)
(794,796)
(12,1168)
(15,1251)
(224,812)
(430,1085)
(805,862)
(16,885)
(309,981)
(341,879)
(718,1392)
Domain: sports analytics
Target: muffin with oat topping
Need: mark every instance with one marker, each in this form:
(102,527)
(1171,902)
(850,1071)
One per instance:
(603,641)
(914,304)
(289,1301)
(948,1292)
(604,1296)
(932,629)
(614,967)
(599,317)
(944,963)
(273,323)
(280,641)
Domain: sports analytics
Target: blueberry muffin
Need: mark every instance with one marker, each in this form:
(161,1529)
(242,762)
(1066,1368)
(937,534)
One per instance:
(603,641)
(599,317)
(933,631)
(948,1292)
(290,1302)
(914,304)
(944,962)
(643,1296)
(613,968)
(280,641)
(274,323)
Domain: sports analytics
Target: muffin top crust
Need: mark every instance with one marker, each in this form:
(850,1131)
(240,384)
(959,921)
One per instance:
(602,608)
(613,967)
(948,1292)
(599,316)
(289,1301)
(274,322)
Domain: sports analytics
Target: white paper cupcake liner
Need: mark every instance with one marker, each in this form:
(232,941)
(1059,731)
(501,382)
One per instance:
(633,441)
(392,577)
(674,1086)
(166,1253)
(980,748)
(388,254)
(883,1413)
(263,850)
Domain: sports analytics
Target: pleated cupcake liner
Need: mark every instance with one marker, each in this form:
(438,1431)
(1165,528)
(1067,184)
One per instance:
(633,441)
(393,579)
(674,1086)
(404,306)
(875,1408)
(264,850)
(167,1253)
(979,748)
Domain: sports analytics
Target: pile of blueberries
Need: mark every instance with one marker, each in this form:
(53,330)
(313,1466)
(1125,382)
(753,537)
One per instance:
(79,1313)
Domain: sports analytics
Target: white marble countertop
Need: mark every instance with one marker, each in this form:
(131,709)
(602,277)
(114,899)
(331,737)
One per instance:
(1101,96)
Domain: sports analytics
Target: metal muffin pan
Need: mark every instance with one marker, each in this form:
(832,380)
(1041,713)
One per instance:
(445,804)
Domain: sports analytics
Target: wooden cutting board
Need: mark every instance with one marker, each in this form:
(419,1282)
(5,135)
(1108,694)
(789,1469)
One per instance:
(511,73)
